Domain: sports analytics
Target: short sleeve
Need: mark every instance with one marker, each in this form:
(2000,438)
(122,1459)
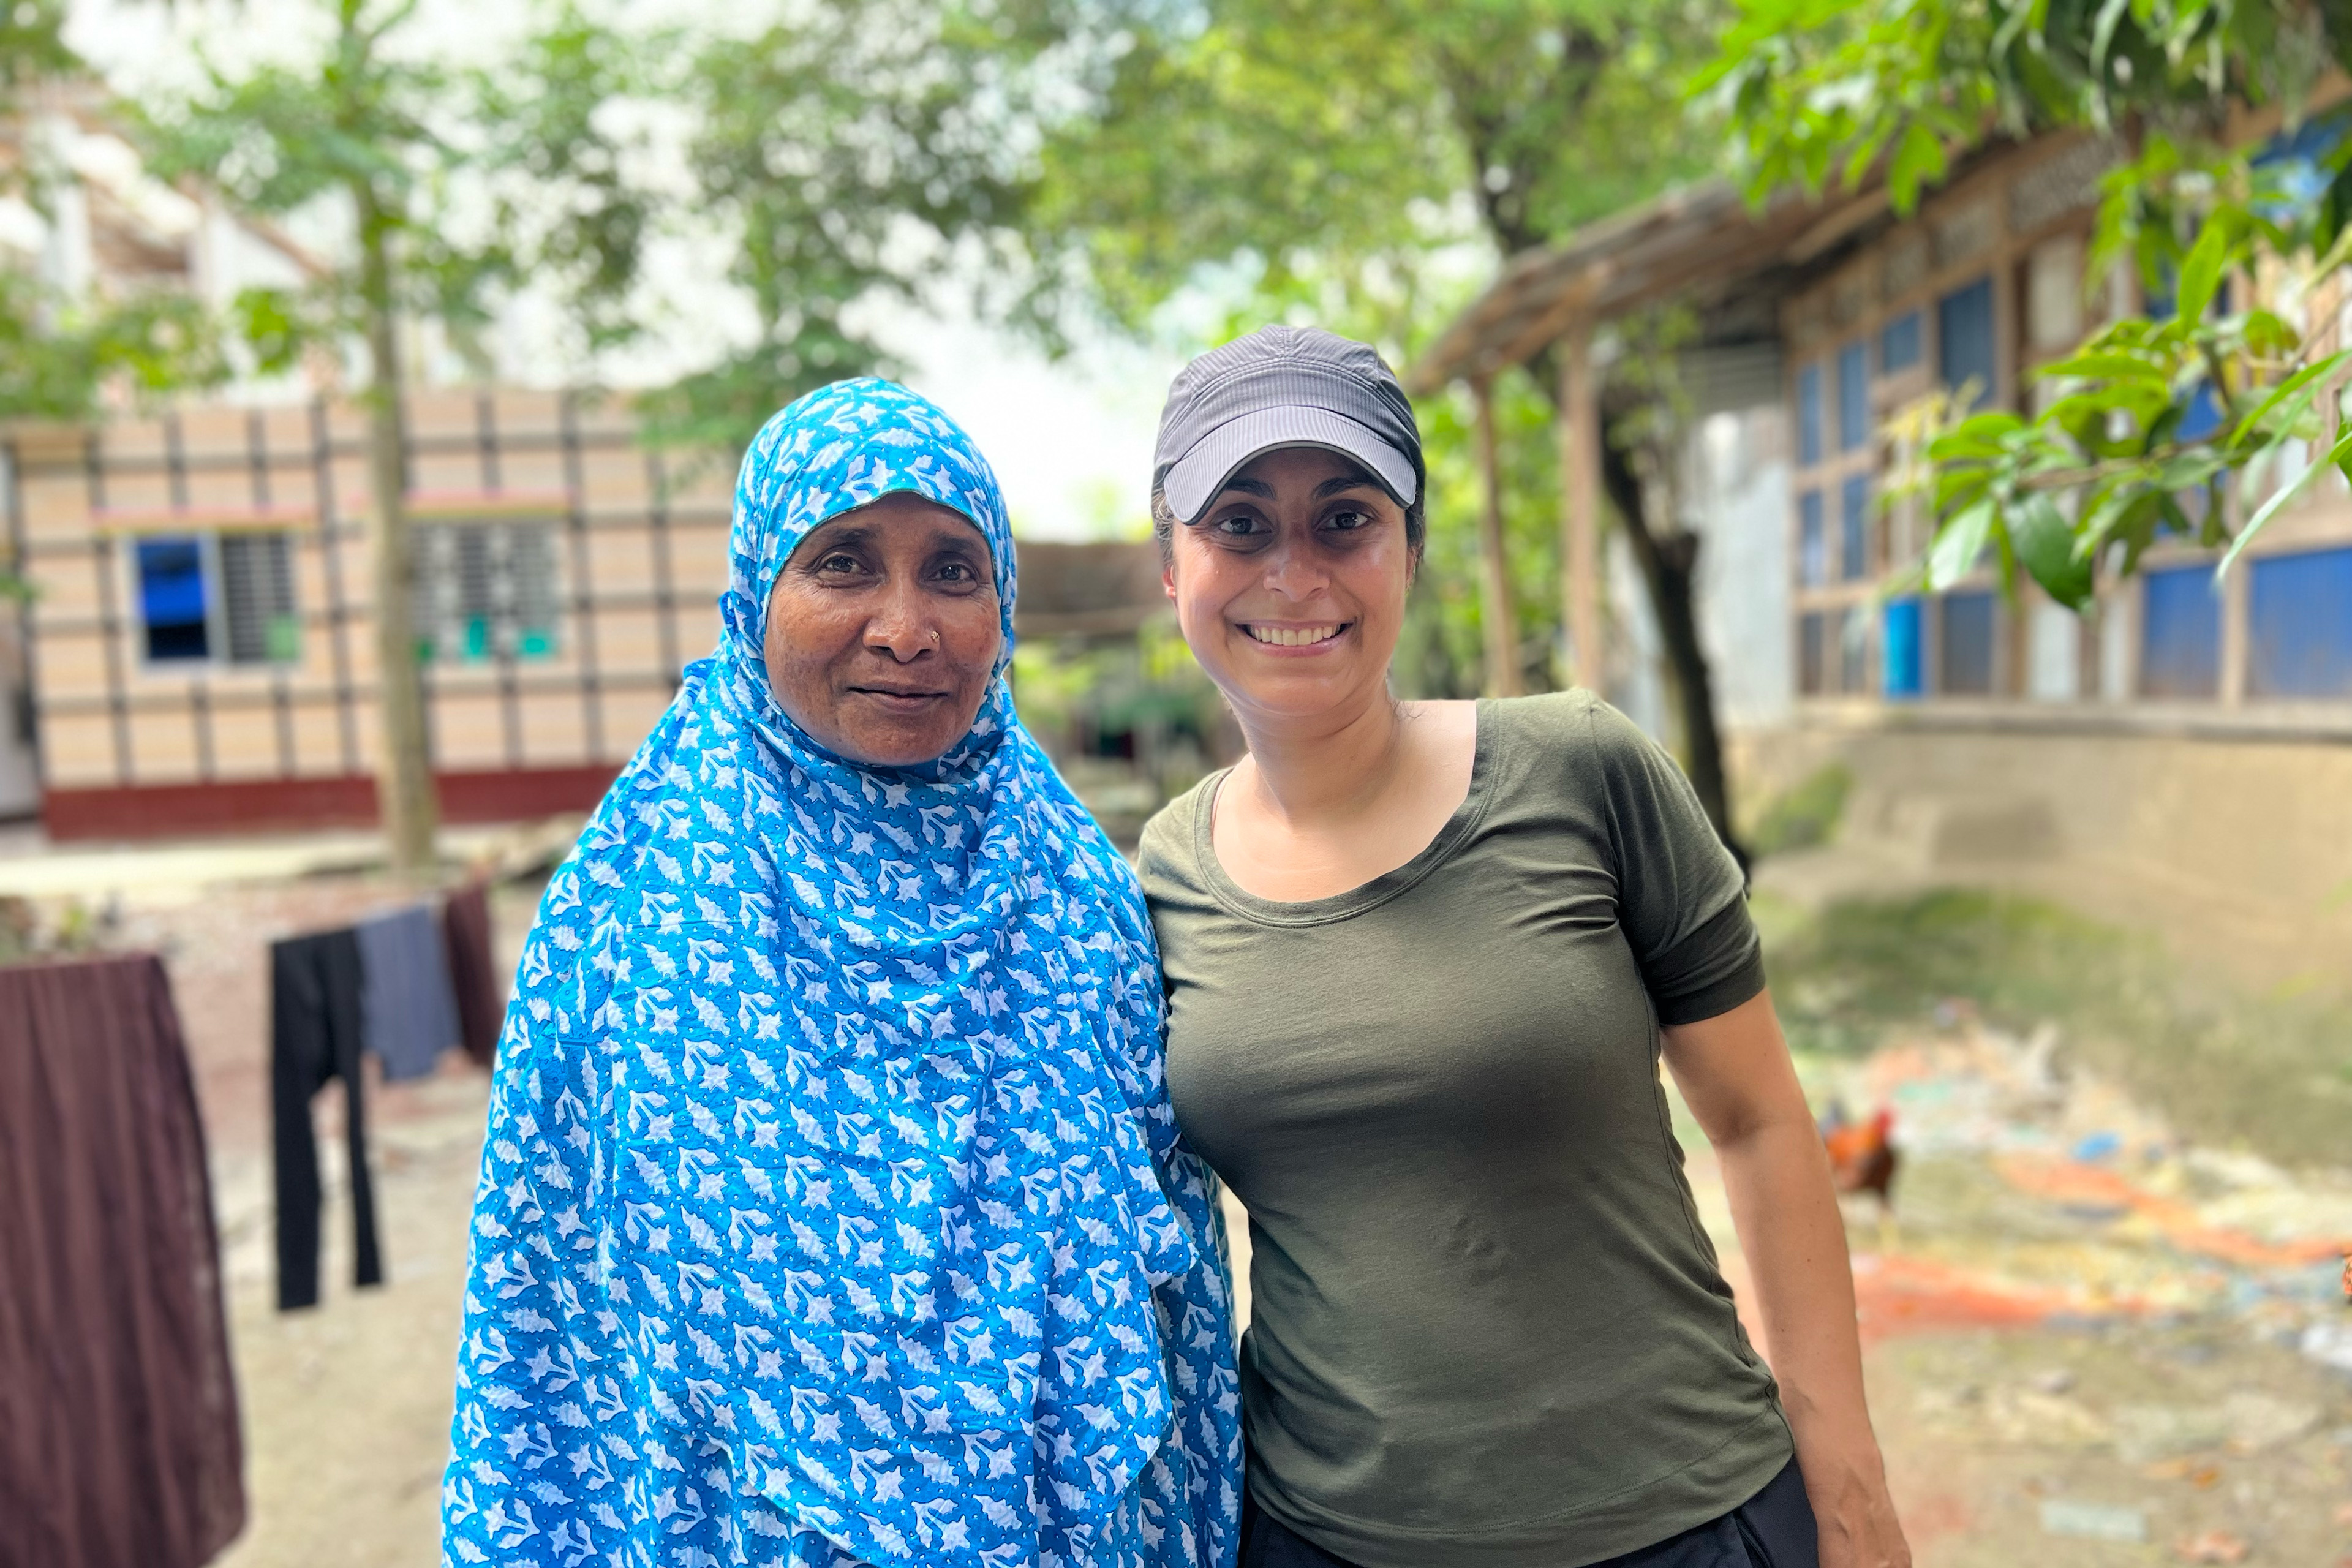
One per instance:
(1680,895)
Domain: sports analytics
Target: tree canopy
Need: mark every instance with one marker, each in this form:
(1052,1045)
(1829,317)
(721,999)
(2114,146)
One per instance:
(1365,166)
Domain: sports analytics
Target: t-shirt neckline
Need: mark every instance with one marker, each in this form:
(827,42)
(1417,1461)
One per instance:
(1364,896)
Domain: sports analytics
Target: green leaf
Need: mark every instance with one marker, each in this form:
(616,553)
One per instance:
(1958,544)
(2045,544)
(1918,161)
(2103,37)
(2200,274)
(2315,371)
(2338,457)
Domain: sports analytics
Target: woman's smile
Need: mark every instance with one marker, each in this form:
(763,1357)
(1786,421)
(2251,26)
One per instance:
(1292,638)
(899,699)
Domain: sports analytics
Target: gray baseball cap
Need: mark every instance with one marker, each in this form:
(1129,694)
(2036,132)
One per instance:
(1283,386)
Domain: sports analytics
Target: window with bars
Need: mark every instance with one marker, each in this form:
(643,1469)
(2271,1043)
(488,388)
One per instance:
(1808,415)
(1852,397)
(226,598)
(1812,542)
(1853,528)
(257,578)
(485,590)
(2181,633)
(1967,622)
(1813,653)
(1899,343)
(2299,624)
(1854,650)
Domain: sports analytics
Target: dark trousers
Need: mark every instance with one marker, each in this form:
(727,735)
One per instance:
(314,1036)
(1774,1528)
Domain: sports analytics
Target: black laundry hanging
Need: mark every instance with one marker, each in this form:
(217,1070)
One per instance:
(314,1027)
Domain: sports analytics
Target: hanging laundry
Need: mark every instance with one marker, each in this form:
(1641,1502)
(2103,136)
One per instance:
(120,1445)
(314,1029)
(408,1016)
(481,990)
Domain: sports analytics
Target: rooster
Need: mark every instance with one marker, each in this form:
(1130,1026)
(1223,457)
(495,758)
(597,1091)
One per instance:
(1862,1159)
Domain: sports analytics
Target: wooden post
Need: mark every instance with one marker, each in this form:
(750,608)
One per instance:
(1579,472)
(1495,608)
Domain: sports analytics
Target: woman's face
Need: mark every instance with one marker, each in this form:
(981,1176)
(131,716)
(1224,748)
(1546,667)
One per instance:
(883,631)
(1291,586)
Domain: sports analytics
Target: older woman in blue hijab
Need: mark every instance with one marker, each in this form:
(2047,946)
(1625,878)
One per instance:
(832,1211)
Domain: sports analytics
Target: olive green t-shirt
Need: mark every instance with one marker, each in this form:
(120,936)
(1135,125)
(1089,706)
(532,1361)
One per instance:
(1487,1327)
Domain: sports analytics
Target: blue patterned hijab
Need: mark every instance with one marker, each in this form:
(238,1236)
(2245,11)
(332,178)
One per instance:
(832,1210)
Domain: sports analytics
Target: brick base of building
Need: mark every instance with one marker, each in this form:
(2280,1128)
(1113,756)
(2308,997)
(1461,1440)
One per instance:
(282,805)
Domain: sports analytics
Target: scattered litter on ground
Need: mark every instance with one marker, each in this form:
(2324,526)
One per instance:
(2329,1344)
(2257,1421)
(2211,1546)
(2093,1522)
(2090,1339)
(2199,1475)
(2145,1433)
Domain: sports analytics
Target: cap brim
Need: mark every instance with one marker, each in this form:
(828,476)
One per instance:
(1193,481)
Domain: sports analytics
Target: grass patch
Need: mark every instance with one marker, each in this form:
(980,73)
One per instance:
(1804,814)
(2273,1074)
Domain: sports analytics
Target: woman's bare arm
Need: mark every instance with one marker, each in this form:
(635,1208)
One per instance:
(1735,1073)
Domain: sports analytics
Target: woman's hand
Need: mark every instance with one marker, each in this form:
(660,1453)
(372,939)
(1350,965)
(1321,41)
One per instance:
(1735,1073)
(1852,1508)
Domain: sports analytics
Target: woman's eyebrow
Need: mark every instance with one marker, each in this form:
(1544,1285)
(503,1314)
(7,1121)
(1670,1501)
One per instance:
(1248,487)
(1344,482)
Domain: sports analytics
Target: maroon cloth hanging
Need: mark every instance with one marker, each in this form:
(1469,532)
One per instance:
(118,1437)
(481,989)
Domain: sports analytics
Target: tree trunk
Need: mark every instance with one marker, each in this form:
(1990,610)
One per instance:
(404,771)
(1669,568)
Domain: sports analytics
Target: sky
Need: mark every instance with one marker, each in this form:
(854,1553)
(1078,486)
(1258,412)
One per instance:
(1071,439)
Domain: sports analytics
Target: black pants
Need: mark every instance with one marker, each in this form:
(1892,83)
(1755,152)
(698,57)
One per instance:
(314,1036)
(1774,1528)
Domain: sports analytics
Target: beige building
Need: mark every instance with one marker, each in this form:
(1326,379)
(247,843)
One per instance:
(201,652)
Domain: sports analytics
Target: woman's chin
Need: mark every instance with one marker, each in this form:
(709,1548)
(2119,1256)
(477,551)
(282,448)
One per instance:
(891,746)
(1299,688)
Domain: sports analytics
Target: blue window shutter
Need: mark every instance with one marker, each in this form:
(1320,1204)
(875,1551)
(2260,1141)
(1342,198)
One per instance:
(1898,344)
(1964,339)
(2181,633)
(172,600)
(2299,624)
(1901,674)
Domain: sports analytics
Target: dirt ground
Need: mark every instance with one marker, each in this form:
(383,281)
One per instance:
(2089,1343)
